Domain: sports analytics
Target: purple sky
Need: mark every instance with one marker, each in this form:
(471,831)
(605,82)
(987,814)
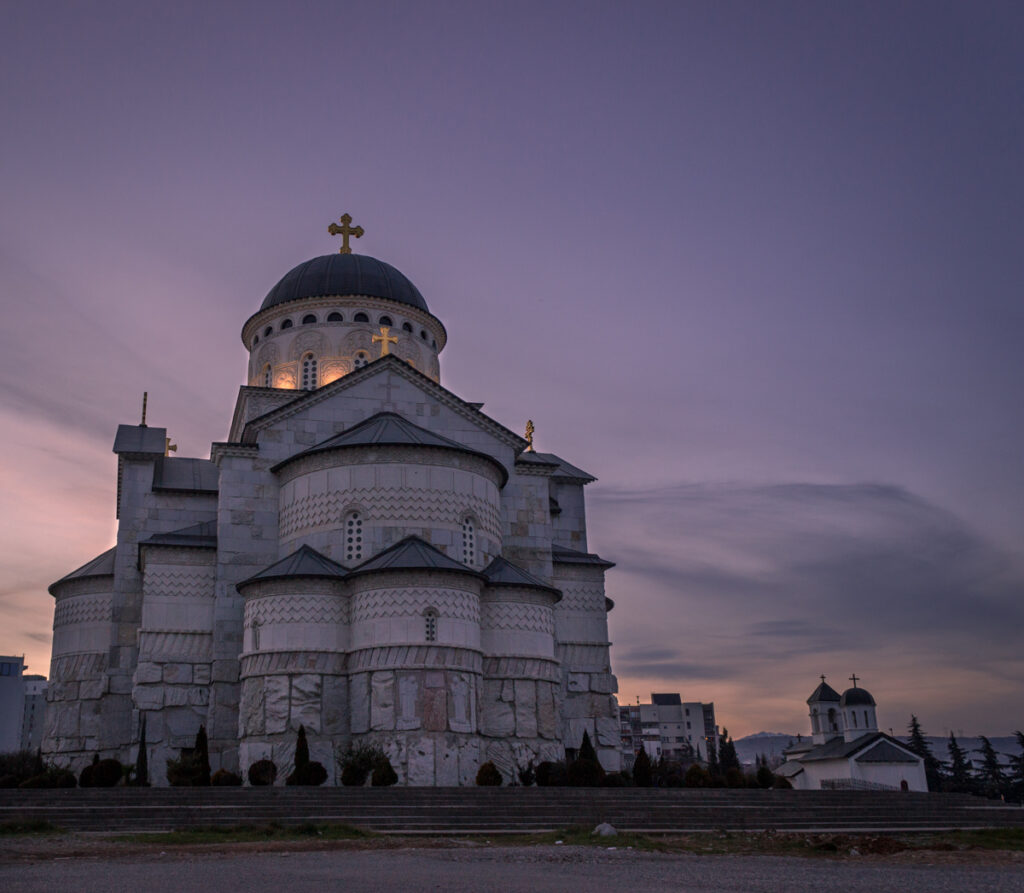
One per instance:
(756,266)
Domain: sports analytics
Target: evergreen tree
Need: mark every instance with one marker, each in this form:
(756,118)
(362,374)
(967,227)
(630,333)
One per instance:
(990,774)
(642,773)
(727,758)
(201,755)
(959,779)
(301,750)
(714,768)
(586,751)
(142,763)
(1017,766)
(919,745)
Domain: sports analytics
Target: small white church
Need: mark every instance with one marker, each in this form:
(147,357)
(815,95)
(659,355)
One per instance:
(846,751)
(367,554)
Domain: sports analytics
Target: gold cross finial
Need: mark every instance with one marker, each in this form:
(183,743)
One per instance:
(345,231)
(384,339)
(145,397)
(529,436)
(853,679)
(169,447)
(822,678)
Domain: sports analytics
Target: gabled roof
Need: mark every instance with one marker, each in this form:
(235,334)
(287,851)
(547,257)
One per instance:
(566,470)
(100,566)
(303,562)
(884,752)
(412,553)
(392,429)
(389,363)
(565,555)
(838,748)
(824,692)
(196,536)
(503,573)
(189,475)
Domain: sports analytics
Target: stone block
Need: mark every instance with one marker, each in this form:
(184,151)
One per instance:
(147,672)
(508,691)
(179,674)
(182,725)
(305,706)
(201,674)
(174,695)
(446,765)
(607,732)
(90,689)
(434,679)
(199,695)
(460,701)
(382,701)
(335,705)
(250,708)
(148,697)
(421,763)
(575,729)
(359,699)
(275,689)
(435,709)
(547,715)
(579,682)
(469,762)
(602,682)
(90,719)
(526,708)
(497,717)
(407,714)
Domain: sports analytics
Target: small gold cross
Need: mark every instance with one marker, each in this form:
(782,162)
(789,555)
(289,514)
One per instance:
(529,436)
(384,339)
(169,447)
(345,231)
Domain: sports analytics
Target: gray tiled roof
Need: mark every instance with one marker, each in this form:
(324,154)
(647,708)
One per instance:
(191,475)
(503,573)
(884,752)
(140,439)
(824,692)
(565,555)
(196,536)
(100,566)
(565,469)
(303,562)
(838,748)
(412,553)
(391,429)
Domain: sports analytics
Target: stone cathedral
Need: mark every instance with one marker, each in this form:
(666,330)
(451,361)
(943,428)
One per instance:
(367,555)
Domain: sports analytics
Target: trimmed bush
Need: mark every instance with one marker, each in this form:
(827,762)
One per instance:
(488,776)
(353,776)
(552,775)
(262,773)
(86,778)
(107,773)
(384,774)
(311,774)
(357,764)
(222,778)
(51,778)
(526,775)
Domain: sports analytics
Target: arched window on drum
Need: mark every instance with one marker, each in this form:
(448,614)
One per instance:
(309,369)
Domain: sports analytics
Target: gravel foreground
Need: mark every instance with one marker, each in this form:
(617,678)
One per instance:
(79,864)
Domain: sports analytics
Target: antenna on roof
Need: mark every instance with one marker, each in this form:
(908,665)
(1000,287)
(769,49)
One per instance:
(145,397)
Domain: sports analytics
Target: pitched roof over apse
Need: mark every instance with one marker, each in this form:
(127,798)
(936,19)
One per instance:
(391,429)
(838,749)
(196,536)
(303,562)
(100,566)
(884,752)
(412,553)
(565,470)
(503,573)
(824,692)
(565,555)
(185,475)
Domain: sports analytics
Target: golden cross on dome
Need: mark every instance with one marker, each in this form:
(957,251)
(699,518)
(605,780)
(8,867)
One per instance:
(853,679)
(169,447)
(529,436)
(384,339)
(345,231)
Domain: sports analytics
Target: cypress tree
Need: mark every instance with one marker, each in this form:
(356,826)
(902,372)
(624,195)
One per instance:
(301,750)
(142,763)
(201,755)
(642,770)
(959,780)
(919,745)
(714,769)
(727,758)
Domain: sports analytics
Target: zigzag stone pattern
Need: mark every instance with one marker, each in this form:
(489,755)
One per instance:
(82,609)
(512,616)
(378,603)
(296,609)
(180,582)
(320,511)
(579,596)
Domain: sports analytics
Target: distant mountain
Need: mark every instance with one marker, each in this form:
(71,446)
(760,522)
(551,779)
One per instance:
(773,743)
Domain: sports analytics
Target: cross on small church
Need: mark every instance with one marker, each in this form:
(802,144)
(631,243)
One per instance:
(384,339)
(822,678)
(853,679)
(345,231)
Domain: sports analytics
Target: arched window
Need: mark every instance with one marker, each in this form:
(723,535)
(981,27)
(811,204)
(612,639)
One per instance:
(286,324)
(309,372)
(268,376)
(866,723)
(309,319)
(407,327)
(423,334)
(268,331)
(385,321)
(335,317)
(361,359)
(468,541)
(354,536)
(361,317)
(853,714)
(832,720)
(430,624)
(255,340)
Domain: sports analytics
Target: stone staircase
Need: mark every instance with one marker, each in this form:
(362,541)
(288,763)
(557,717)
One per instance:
(402,810)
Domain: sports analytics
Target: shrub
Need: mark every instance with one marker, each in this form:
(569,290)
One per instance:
(673,780)
(185,772)
(358,763)
(781,784)
(384,774)
(311,775)
(353,776)
(552,775)
(734,778)
(10,781)
(86,778)
(696,777)
(17,766)
(107,773)
(526,775)
(222,778)
(642,774)
(52,777)
(262,773)
(488,775)
(615,780)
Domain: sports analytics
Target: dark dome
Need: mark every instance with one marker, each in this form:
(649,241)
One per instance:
(345,274)
(856,697)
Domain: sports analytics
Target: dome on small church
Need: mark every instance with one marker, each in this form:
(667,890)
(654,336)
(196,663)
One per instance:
(856,697)
(345,274)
